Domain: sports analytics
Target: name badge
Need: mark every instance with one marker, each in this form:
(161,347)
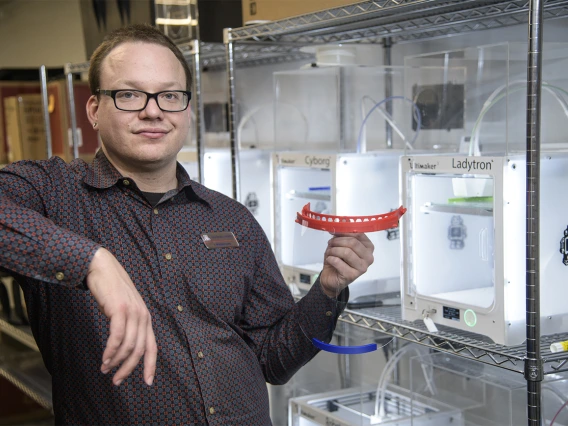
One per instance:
(219,240)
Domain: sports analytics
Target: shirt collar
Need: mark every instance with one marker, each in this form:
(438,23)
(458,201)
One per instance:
(102,175)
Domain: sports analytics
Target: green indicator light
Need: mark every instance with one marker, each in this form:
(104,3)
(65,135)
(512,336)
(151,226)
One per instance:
(470,318)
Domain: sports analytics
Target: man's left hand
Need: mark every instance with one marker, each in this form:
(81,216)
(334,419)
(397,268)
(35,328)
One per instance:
(346,258)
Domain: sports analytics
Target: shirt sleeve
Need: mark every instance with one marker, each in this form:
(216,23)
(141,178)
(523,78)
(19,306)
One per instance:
(31,244)
(280,330)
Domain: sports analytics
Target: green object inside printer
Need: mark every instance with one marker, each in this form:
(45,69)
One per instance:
(471,200)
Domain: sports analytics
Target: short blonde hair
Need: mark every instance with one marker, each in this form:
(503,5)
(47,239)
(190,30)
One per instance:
(133,33)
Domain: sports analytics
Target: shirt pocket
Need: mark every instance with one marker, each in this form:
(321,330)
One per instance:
(219,278)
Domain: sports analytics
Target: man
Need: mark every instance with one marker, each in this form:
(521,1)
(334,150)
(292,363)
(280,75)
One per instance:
(138,321)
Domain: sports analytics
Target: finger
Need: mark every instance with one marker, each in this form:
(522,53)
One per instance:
(363,238)
(116,336)
(129,342)
(135,354)
(356,245)
(344,271)
(349,257)
(150,355)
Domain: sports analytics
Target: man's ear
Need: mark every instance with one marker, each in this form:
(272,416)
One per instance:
(93,110)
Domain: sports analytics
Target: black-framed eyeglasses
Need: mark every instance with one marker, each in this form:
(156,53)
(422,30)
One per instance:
(137,100)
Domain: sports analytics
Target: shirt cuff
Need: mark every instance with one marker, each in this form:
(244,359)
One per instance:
(66,258)
(319,312)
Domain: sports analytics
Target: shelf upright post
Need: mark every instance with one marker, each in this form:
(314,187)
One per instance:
(230,58)
(534,370)
(199,119)
(387,61)
(45,103)
(72,111)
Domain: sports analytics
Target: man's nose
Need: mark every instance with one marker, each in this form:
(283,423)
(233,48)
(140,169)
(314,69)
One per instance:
(152,109)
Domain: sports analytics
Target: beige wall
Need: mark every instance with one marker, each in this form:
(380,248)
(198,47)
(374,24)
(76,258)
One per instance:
(40,32)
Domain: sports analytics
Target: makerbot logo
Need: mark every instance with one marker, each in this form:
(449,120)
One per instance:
(317,162)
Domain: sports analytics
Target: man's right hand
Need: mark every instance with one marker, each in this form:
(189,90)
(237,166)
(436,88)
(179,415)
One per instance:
(131,335)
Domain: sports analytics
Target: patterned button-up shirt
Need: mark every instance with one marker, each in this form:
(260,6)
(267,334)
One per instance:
(225,321)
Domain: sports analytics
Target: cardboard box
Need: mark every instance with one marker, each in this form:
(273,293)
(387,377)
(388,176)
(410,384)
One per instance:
(25,129)
(14,149)
(32,127)
(272,10)
(7,89)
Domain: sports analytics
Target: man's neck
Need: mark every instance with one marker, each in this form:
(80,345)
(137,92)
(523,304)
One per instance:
(159,180)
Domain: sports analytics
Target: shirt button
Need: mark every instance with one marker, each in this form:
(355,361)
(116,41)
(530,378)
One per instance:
(155,211)
(59,276)
(168,256)
(200,354)
(126,182)
(328,313)
(180,308)
(211,410)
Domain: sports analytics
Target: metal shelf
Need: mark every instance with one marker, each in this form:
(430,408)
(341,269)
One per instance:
(27,372)
(22,333)
(364,22)
(213,57)
(388,320)
(402,20)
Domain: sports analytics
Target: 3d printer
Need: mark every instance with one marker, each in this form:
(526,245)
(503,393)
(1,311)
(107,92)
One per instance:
(464,232)
(348,166)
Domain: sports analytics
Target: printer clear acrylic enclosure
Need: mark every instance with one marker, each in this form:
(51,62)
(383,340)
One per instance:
(379,396)
(321,109)
(478,95)
(486,395)
(354,407)
(464,233)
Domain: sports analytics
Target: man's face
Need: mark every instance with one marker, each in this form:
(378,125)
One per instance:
(146,139)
